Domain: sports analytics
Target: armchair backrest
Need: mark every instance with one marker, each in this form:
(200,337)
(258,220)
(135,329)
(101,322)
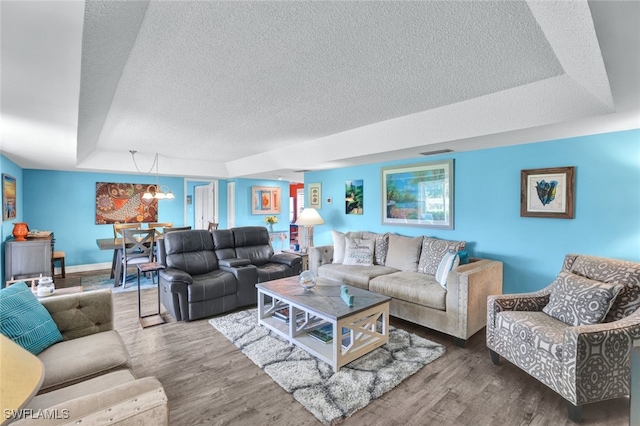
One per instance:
(610,271)
(190,251)
(252,242)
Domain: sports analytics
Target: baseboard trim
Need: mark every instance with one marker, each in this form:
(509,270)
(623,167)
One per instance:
(84,268)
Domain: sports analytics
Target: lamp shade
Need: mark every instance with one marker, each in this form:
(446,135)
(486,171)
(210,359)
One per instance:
(309,217)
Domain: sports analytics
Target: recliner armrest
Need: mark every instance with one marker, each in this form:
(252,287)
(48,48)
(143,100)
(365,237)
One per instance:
(288,259)
(175,275)
(233,263)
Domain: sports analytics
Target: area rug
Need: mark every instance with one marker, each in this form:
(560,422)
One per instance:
(99,282)
(329,396)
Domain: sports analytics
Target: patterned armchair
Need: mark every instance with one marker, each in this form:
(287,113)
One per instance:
(583,363)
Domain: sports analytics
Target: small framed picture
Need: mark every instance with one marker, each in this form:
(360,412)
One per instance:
(547,192)
(315,195)
(265,200)
(8,197)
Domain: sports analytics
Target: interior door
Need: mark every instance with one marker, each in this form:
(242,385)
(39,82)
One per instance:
(204,206)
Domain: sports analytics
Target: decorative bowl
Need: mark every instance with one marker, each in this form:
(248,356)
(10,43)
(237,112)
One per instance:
(307,280)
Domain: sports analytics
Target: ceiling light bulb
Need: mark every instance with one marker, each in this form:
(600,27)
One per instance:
(169,196)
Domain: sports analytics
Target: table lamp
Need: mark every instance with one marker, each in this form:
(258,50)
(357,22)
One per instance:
(308,218)
(21,375)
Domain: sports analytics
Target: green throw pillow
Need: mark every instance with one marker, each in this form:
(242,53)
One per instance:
(464,257)
(24,320)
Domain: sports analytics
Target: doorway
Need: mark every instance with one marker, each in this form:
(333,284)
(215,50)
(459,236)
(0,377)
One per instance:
(203,207)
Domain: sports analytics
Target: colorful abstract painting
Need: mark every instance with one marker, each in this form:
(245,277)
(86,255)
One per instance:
(123,203)
(265,199)
(8,197)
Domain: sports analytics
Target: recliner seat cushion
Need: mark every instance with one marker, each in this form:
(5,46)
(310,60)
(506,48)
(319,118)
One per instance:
(412,287)
(212,285)
(190,251)
(272,271)
(355,275)
(535,329)
(79,359)
(258,255)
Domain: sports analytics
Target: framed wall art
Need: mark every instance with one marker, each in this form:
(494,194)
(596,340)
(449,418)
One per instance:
(418,194)
(266,199)
(547,192)
(353,196)
(315,195)
(9,204)
(123,203)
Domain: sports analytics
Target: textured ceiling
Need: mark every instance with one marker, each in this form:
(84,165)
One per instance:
(225,89)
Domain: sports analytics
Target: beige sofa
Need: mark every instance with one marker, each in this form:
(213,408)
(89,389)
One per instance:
(87,376)
(458,310)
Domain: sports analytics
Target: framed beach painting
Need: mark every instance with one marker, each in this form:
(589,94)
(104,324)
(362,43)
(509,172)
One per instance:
(418,194)
(353,196)
(547,192)
(9,204)
(265,199)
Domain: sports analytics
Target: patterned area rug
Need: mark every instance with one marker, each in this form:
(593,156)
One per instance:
(329,396)
(100,282)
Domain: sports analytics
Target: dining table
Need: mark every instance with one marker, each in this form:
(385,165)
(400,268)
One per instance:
(115,244)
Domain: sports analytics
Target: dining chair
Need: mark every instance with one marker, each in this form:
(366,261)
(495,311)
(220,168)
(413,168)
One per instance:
(118,227)
(137,247)
(160,227)
(212,226)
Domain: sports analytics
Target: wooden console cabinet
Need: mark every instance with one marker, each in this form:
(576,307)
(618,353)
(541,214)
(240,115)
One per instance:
(27,259)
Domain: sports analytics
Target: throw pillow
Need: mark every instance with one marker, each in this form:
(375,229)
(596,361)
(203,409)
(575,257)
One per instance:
(464,257)
(381,248)
(403,253)
(24,320)
(339,244)
(577,300)
(450,261)
(358,252)
(433,250)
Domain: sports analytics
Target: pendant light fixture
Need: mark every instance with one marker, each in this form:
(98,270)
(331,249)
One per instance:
(157,191)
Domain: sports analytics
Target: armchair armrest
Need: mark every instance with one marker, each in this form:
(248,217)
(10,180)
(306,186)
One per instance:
(81,314)
(583,350)
(233,263)
(319,256)
(288,259)
(173,275)
(141,401)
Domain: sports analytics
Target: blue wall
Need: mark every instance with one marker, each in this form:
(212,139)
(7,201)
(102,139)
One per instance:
(243,206)
(487,205)
(9,167)
(64,202)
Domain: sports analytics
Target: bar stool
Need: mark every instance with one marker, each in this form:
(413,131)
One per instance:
(57,255)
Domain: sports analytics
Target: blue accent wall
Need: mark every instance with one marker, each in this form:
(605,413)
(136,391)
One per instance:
(64,202)
(244,217)
(487,205)
(9,167)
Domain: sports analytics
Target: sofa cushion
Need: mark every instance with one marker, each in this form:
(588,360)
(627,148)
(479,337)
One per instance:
(412,287)
(358,251)
(577,300)
(24,320)
(535,329)
(273,271)
(450,261)
(355,275)
(79,359)
(433,250)
(190,251)
(212,285)
(404,253)
(339,243)
(381,248)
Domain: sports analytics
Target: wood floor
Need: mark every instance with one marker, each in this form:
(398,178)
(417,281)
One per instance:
(210,382)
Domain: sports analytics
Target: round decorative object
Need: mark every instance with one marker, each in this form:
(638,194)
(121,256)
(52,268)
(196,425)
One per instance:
(307,280)
(20,231)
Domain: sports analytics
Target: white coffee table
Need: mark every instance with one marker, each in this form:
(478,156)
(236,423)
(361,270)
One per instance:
(367,321)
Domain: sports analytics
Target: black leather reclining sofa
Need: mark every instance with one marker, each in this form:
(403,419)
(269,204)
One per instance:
(210,274)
